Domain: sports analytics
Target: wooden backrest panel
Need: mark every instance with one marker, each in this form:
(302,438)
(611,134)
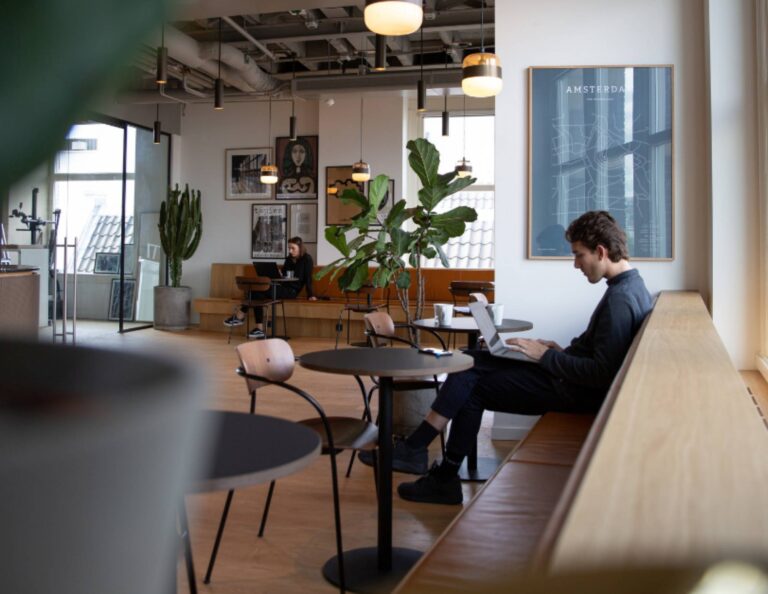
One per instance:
(679,474)
(272,358)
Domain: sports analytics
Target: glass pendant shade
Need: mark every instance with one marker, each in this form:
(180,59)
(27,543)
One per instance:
(361,171)
(481,75)
(463,168)
(393,17)
(268,174)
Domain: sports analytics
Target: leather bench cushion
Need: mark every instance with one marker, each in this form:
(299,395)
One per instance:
(496,534)
(555,439)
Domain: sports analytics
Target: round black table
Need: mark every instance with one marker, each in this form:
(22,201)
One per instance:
(474,468)
(246,449)
(379,569)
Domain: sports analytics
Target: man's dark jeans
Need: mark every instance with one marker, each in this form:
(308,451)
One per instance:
(502,385)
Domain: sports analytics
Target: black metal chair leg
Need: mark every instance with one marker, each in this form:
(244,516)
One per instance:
(337,521)
(285,322)
(219,534)
(338,329)
(184,528)
(266,509)
(351,462)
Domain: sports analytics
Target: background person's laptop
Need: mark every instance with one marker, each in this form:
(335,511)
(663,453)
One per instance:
(268,269)
(495,344)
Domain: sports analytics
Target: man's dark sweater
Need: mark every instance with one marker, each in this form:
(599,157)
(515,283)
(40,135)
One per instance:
(587,367)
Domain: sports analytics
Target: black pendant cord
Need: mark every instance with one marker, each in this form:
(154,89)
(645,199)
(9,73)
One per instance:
(219,48)
(361,127)
(464,131)
(157,112)
(482,29)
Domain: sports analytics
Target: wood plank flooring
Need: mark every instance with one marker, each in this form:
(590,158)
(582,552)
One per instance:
(299,537)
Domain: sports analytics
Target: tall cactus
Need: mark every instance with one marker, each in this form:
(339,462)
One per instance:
(181,225)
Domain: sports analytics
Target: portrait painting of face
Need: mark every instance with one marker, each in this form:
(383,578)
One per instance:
(297,168)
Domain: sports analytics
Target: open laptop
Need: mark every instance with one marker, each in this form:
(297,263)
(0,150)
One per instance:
(268,269)
(495,344)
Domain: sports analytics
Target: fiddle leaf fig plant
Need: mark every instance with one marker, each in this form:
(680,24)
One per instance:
(395,243)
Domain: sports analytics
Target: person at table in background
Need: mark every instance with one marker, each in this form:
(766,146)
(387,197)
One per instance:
(298,262)
(572,379)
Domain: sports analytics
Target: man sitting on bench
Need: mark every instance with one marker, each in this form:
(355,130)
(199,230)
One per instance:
(574,379)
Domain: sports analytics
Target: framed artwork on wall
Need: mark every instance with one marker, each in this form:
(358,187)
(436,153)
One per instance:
(106,263)
(600,138)
(296,168)
(387,202)
(303,222)
(268,231)
(242,170)
(129,298)
(337,179)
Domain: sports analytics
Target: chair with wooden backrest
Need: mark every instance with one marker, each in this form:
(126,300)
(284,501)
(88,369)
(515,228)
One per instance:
(461,289)
(250,285)
(271,363)
(359,301)
(381,331)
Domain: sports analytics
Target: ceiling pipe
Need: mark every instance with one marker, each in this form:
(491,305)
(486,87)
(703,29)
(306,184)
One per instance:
(250,38)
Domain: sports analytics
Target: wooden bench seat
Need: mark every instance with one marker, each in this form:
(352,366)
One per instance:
(319,318)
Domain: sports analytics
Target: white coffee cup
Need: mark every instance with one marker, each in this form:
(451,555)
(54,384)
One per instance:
(496,311)
(443,314)
(289,274)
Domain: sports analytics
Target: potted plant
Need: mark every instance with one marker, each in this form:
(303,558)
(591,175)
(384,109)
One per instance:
(181,226)
(395,245)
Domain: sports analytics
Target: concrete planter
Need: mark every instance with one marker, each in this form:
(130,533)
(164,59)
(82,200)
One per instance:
(409,409)
(172,308)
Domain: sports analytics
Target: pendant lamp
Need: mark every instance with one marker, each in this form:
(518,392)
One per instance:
(162,59)
(292,120)
(268,172)
(463,167)
(446,115)
(380,62)
(218,97)
(156,130)
(393,17)
(481,71)
(361,171)
(421,89)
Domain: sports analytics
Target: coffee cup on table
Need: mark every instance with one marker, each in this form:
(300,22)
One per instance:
(443,314)
(289,274)
(496,312)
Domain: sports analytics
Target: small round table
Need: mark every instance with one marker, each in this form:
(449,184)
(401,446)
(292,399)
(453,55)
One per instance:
(379,569)
(246,449)
(473,468)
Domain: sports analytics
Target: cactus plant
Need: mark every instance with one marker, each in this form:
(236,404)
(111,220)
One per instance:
(181,226)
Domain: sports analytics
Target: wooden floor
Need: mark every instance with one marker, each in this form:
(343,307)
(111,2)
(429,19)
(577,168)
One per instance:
(299,537)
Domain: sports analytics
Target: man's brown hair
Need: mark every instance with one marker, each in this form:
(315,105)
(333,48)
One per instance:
(598,227)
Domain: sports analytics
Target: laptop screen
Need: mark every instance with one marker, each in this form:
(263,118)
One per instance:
(268,269)
(484,323)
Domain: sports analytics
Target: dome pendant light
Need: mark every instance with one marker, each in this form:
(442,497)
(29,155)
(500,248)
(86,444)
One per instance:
(463,167)
(268,172)
(218,95)
(481,72)
(393,17)
(361,171)
(421,89)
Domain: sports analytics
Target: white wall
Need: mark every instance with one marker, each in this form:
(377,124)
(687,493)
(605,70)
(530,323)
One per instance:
(595,32)
(733,146)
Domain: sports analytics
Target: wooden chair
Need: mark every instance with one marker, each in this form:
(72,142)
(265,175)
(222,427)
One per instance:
(359,301)
(271,363)
(250,285)
(460,290)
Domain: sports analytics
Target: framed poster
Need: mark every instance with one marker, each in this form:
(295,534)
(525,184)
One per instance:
(296,168)
(242,168)
(337,179)
(303,222)
(268,231)
(600,138)
(129,298)
(107,263)
(387,202)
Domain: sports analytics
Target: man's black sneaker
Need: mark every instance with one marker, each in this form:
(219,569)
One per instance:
(431,489)
(234,321)
(256,334)
(404,459)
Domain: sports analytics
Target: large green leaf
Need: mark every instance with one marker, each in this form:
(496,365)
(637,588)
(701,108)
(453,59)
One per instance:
(57,57)
(327,268)
(337,238)
(352,196)
(376,190)
(443,258)
(424,160)
(453,221)
(403,279)
(381,276)
(400,240)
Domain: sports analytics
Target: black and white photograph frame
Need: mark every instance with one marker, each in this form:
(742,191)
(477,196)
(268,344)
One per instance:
(386,203)
(129,299)
(106,263)
(243,171)
(302,220)
(269,238)
(601,138)
(297,165)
